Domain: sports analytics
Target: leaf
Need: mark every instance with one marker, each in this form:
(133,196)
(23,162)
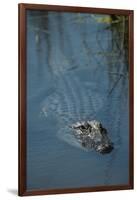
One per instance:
(105,19)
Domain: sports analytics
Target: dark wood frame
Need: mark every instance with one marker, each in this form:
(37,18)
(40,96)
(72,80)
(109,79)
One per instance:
(22,98)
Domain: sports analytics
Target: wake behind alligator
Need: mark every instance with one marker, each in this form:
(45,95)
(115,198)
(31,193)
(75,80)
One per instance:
(75,100)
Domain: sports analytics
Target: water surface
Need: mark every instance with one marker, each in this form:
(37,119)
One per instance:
(77,69)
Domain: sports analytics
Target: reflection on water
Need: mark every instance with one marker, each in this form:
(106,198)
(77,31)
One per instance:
(77,69)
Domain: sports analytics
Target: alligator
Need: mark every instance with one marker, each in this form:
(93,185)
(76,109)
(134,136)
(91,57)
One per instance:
(92,135)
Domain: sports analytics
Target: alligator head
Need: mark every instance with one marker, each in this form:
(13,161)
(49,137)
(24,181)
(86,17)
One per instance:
(91,134)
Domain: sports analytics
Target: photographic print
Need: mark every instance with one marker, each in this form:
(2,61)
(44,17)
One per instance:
(76,99)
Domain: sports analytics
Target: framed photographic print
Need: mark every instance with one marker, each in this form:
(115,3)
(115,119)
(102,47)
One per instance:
(75,99)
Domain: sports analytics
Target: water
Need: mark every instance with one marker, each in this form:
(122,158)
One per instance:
(76,70)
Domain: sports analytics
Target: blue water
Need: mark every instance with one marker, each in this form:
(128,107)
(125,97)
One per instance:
(76,70)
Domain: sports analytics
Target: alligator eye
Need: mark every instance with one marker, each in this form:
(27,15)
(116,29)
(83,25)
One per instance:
(82,127)
(90,128)
(100,126)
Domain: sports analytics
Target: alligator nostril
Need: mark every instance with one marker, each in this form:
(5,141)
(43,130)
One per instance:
(107,149)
